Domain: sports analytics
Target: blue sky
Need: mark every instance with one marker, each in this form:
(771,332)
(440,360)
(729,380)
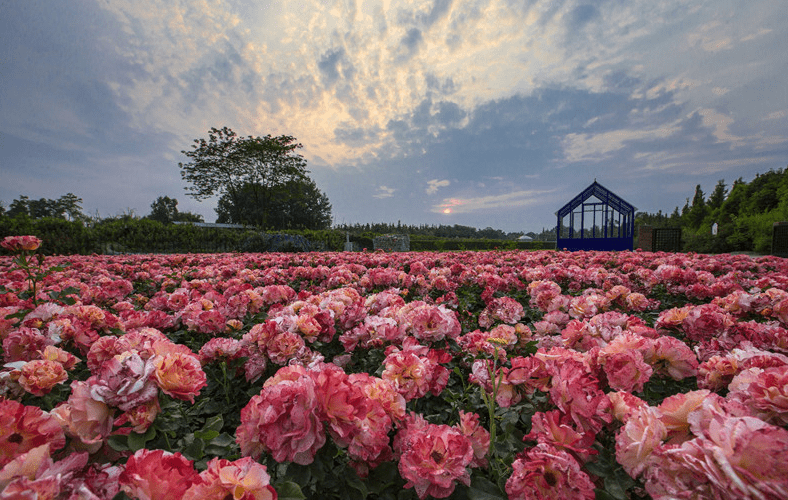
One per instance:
(487,113)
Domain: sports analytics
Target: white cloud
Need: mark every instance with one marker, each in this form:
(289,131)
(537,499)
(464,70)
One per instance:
(384,192)
(434,184)
(509,200)
(595,147)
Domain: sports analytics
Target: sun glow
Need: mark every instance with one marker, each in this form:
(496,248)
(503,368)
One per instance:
(447,211)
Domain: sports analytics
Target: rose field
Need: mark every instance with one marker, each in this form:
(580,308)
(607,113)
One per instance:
(463,375)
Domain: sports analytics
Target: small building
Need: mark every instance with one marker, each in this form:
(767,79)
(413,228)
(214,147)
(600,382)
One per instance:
(596,219)
(392,242)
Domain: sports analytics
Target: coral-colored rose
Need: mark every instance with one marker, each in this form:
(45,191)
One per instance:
(179,375)
(39,376)
(384,393)
(706,321)
(285,346)
(242,479)
(624,404)
(24,344)
(544,472)
(65,358)
(672,357)
(431,323)
(627,371)
(124,381)
(576,392)
(157,475)
(23,428)
(140,417)
(221,349)
(408,373)
(674,412)
(83,417)
(503,309)
(732,457)
(21,243)
(717,372)
(765,392)
(434,458)
(34,475)
(558,430)
(283,419)
(638,438)
(479,436)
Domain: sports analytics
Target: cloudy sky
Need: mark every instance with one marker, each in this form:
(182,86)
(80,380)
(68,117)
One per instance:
(474,112)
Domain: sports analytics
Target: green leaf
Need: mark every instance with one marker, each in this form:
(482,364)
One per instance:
(118,443)
(483,489)
(194,450)
(603,495)
(137,441)
(289,490)
(214,424)
(206,435)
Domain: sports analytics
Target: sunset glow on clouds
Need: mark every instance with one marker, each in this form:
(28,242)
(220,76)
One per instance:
(508,107)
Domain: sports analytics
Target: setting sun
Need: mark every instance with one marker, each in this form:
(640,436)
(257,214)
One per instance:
(447,211)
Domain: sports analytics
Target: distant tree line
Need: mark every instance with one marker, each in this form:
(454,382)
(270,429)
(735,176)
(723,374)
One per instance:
(439,231)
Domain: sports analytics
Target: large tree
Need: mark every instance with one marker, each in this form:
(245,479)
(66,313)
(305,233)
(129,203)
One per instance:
(296,204)
(249,174)
(165,209)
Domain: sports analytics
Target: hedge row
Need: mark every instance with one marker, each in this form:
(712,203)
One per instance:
(128,235)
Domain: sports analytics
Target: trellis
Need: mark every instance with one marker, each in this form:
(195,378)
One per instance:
(606,221)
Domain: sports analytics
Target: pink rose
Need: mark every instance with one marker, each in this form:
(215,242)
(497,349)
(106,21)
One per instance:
(544,472)
(283,419)
(157,475)
(434,458)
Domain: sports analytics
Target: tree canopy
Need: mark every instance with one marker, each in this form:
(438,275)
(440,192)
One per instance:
(68,206)
(261,181)
(165,209)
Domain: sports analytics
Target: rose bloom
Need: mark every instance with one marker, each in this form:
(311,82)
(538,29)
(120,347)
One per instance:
(141,417)
(558,430)
(20,243)
(544,472)
(179,375)
(124,381)
(24,344)
(707,321)
(732,457)
(764,392)
(39,376)
(383,392)
(576,392)
(65,358)
(480,437)
(83,417)
(34,475)
(627,371)
(23,428)
(408,373)
(242,479)
(624,404)
(638,438)
(157,475)
(283,419)
(674,412)
(434,458)
(672,357)
(717,372)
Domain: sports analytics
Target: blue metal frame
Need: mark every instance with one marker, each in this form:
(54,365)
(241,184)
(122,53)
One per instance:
(616,230)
